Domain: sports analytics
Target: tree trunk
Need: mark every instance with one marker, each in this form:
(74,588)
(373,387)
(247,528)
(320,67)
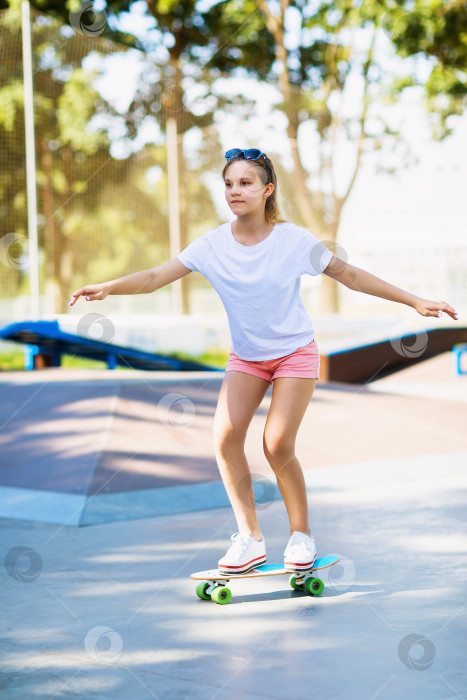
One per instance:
(309,215)
(321,218)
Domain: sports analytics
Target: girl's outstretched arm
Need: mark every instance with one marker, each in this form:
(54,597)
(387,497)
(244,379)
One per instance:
(142,282)
(362,281)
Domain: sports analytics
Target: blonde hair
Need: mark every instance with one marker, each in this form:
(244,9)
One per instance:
(271,208)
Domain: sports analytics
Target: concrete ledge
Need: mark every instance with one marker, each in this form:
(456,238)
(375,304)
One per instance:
(41,506)
(73,510)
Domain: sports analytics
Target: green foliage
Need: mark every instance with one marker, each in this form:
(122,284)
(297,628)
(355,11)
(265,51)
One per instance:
(11,97)
(99,217)
(165,7)
(76,106)
(436,29)
(88,198)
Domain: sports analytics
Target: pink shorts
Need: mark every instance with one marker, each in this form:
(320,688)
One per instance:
(304,362)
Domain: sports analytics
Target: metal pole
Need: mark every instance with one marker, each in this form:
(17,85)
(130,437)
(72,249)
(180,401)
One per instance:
(174,207)
(33,247)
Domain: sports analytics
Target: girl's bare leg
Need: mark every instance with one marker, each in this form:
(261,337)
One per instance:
(239,398)
(290,399)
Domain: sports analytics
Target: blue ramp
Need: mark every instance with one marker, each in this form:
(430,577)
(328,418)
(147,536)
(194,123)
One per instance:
(46,342)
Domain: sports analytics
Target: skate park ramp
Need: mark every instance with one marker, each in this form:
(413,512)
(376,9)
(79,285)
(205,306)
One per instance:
(81,447)
(45,343)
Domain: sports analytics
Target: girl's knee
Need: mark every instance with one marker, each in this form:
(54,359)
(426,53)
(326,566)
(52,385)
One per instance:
(227,437)
(278,449)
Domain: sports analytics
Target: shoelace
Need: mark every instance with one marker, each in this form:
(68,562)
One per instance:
(299,547)
(240,543)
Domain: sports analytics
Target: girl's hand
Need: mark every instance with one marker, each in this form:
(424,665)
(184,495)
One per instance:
(92,292)
(434,308)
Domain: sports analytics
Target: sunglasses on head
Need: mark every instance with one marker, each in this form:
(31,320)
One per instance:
(248,154)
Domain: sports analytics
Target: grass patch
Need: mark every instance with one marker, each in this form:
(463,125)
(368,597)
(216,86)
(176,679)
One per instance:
(215,358)
(11,360)
(15,360)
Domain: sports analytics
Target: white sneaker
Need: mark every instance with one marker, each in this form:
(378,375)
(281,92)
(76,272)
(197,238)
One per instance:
(243,555)
(300,553)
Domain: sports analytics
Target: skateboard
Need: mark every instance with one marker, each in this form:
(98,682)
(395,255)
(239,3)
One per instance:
(212,586)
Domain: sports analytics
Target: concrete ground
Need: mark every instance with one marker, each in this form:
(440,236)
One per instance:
(108,610)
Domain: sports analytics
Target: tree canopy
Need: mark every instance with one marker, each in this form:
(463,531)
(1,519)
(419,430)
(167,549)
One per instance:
(308,51)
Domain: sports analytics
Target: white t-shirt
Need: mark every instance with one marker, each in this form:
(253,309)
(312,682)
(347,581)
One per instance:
(259,286)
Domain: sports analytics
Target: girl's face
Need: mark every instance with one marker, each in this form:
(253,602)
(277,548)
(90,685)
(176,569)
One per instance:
(244,190)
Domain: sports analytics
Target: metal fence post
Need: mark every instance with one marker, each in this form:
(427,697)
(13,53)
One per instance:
(33,248)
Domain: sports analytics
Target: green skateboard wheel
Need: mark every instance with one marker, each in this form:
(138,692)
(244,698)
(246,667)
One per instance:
(221,595)
(314,586)
(201,591)
(295,584)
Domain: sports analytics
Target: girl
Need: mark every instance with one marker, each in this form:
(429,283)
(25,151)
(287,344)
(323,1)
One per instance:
(255,264)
